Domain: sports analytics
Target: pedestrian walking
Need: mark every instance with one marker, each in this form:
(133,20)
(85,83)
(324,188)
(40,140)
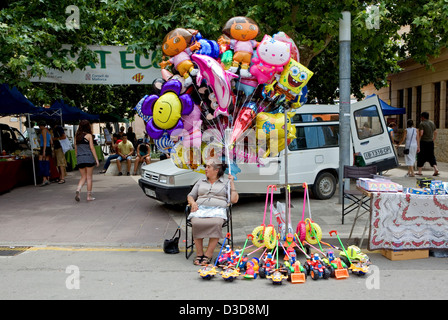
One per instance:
(410,147)
(86,157)
(45,152)
(427,135)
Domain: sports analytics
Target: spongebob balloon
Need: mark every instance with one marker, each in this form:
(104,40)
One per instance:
(271,130)
(290,82)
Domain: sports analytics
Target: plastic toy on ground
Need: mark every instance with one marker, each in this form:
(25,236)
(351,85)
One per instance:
(337,267)
(262,235)
(229,274)
(301,227)
(252,268)
(209,271)
(357,261)
(295,271)
(277,277)
(267,266)
(318,269)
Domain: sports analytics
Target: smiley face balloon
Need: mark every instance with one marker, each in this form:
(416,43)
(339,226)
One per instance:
(166,110)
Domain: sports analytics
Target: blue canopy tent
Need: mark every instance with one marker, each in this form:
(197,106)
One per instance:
(67,113)
(388,110)
(12,102)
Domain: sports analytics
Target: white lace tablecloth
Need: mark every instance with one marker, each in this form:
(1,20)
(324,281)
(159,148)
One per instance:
(403,221)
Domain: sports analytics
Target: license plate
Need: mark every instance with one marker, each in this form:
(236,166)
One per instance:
(150,192)
(377,153)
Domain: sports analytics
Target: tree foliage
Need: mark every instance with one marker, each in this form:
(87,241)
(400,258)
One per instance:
(32,33)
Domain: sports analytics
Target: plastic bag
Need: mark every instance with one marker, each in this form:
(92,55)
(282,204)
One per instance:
(279,214)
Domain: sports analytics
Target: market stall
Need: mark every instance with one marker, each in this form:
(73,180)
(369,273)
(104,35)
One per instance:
(15,172)
(407,218)
(12,102)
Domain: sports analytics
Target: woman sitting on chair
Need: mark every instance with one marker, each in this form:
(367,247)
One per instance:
(208,201)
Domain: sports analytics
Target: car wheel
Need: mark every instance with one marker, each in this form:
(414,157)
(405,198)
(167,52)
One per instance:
(324,187)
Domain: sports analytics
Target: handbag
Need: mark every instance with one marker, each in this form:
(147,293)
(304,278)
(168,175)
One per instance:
(406,150)
(66,145)
(171,246)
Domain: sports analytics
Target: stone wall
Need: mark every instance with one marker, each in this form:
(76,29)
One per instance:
(441,145)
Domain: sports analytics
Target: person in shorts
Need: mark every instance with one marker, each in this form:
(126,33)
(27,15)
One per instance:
(61,162)
(86,158)
(427,134)
(125,151)
(45,152)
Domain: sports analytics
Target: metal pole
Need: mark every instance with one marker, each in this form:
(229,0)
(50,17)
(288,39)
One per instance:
(344,95)
(286,160)
(32,153)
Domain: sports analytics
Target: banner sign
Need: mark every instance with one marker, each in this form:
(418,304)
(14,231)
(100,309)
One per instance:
(115,66)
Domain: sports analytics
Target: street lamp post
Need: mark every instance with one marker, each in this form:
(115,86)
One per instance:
(344,96)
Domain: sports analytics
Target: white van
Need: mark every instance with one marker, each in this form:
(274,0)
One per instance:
(313,157)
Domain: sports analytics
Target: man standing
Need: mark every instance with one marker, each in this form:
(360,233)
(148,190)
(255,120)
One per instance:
(427,134)
(125,151)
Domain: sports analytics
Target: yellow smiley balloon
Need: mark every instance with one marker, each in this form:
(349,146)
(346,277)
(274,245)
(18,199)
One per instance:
(167,111)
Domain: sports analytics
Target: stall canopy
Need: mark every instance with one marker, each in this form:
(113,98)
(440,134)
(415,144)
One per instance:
(12,102)
(68,113)
(388,110)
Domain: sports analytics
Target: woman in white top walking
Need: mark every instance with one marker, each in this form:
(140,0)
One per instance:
(410,136)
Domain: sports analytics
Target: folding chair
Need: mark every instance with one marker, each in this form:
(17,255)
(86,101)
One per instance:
(357,198)
(189,237)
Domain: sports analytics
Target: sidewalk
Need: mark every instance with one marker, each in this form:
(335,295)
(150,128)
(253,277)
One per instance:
(122,216)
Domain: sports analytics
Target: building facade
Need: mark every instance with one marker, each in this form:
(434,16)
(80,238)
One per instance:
(420,89)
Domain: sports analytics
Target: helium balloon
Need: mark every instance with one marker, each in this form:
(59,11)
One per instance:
(176,45)
(166,110)
(164,144)
(281,36)
(242,31)
(272,55)
(138,108)
(218,79)
(243,121)
(267,123)
(291,81)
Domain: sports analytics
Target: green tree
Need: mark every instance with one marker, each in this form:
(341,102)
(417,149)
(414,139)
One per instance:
(32,33)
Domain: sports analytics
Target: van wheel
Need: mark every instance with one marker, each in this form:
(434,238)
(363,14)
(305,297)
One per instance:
(324,187)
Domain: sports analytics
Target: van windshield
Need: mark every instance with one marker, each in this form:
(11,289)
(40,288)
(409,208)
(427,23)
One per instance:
(368,122)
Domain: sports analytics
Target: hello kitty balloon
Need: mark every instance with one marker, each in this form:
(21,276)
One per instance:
(272,55)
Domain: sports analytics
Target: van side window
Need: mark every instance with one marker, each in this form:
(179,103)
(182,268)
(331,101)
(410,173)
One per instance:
(368,122)
(302,117)
(312,137)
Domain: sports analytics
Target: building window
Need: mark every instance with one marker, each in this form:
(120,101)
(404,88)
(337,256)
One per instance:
(400,105)
(409,105)
(418,105)
(437,104)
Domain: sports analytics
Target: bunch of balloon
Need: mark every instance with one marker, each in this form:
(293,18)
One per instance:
(224,99)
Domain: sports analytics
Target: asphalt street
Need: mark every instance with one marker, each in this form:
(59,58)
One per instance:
(111,249)
(60,274)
